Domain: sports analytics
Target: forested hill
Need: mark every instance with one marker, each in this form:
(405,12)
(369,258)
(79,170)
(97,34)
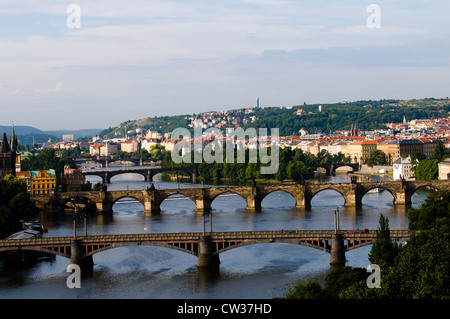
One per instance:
(366,115)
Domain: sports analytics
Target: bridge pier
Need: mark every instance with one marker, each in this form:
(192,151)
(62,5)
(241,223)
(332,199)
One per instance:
(76,256)
(253,202)
(402,198)
(353,198)
(337,254)
(202,205)
(207,257)
(103,207)
(303,201)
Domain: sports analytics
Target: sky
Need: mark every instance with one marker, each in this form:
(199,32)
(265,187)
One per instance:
(83,64)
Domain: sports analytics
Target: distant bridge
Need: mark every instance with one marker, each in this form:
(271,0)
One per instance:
(202,197)
(148,173)
(330,169)
(206,246)
(105,161)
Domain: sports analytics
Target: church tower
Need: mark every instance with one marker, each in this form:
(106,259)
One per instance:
(8,157)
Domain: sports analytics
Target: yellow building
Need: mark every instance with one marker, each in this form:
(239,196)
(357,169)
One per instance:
(43,182)
(390,149)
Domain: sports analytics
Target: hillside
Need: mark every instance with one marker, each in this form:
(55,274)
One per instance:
(26,134)
(366,115)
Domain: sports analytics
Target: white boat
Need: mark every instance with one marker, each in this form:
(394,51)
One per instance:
(26,234)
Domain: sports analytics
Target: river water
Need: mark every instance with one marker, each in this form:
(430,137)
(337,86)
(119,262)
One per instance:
(255,271)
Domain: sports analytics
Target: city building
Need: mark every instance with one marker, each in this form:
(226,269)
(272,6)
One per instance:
(131,146)
(410,146)
(444,169)
(429,146)
(43,182)
(72,179)
(108,149)
(360,150)
(402,168)
(25,176)
(391,149)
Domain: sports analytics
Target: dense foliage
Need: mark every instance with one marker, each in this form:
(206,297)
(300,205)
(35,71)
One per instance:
(419,269)
(428,169)
(294,165)
(47,160)
(14,204)
(366,115)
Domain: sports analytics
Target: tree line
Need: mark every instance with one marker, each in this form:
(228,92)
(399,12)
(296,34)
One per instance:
(293,165)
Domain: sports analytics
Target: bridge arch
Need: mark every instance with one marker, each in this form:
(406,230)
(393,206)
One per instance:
(143,243)
(330,188)
(165,200)
(325,248)
(215,197)
(292,197)
(118,198)
(375,187)
(339,167)
(112,177)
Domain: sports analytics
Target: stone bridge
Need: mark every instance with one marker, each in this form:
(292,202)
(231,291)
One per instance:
(206,246)
(202,197)
(330,169)
(105,161)
(148,173)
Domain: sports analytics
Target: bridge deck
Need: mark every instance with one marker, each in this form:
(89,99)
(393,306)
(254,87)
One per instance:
(214,236)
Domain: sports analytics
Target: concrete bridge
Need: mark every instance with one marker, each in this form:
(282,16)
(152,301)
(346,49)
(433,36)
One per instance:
(206,246)
(202,197)
(148,173)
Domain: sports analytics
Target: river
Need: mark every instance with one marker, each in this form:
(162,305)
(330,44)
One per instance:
(256,271)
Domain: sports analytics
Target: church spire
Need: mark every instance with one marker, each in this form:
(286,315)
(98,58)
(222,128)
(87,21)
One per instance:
(13,141)
(5,144)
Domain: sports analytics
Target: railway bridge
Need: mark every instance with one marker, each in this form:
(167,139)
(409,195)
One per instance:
(205,245)
(202,197)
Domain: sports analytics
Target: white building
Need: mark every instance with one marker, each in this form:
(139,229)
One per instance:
(108,149)
(131,146)
(147,143)
(402,168)
(444,169)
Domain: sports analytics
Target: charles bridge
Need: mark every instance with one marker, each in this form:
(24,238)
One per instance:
(151,198)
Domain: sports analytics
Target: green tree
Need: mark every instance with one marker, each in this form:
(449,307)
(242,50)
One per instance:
(298,171)
(439,151)
(376,157)
(15,204)
(342,278)
(308,290)
(384,250)
(427,169)
(436,205)
(422,269)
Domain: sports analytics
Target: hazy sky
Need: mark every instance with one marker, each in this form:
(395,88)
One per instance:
(143,58)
